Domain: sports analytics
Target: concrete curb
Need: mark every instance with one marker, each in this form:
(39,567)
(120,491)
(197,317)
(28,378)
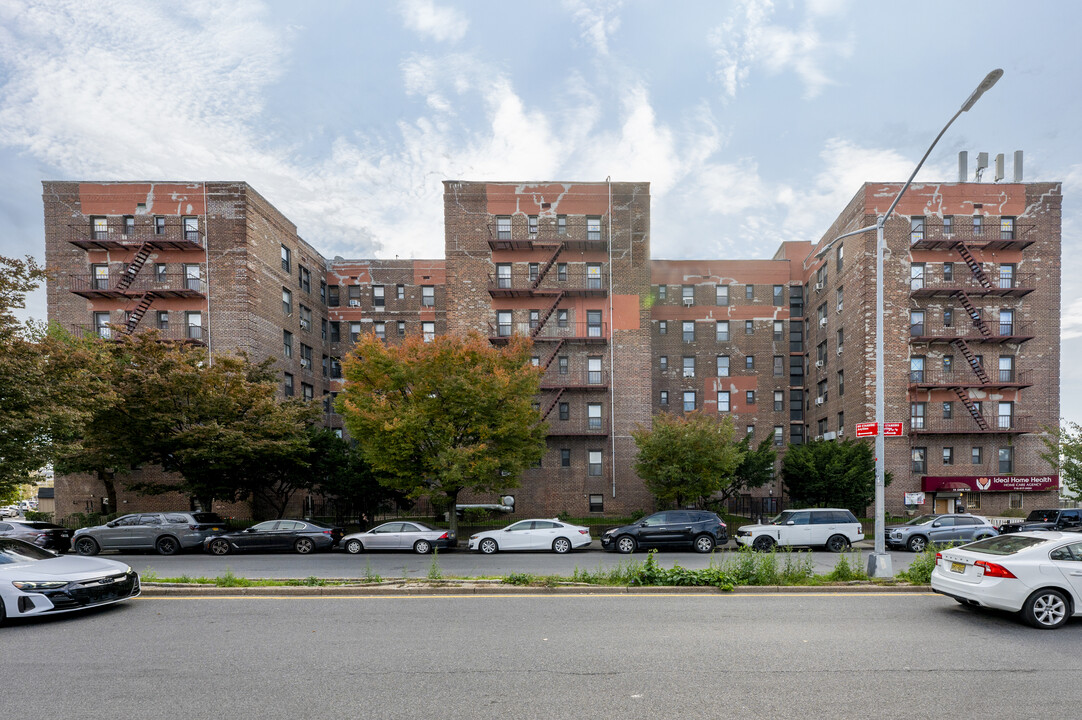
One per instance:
(472,588)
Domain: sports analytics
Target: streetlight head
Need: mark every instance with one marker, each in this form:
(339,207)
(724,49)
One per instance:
(985,85)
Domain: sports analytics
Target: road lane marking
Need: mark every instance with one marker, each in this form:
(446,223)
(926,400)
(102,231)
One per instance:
(537,595)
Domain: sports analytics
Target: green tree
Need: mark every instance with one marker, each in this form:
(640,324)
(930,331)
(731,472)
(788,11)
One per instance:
(442,417)
(687,458)
(1063,450)
(350,483)
(831,473)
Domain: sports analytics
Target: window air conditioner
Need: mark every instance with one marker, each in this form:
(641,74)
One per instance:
(819,287)
(819,400)
(840,347)
(688,302)
(354,303)
(829,436)
(822,322)
(818,363)
(841,431)
(818,437)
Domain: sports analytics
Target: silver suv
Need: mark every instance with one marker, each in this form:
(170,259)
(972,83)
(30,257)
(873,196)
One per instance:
(918,532)
(167,533)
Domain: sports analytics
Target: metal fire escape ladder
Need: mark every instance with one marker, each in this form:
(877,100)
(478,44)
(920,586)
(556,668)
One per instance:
(546,267)
(547,314)
(977,417)
(134,267)
(552,404)
(548,361)
(974,314)
(137,314)
(978,369)
(974,266)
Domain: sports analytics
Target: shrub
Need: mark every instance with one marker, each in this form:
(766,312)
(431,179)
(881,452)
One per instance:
(847,568)
(35,516)
(920,570)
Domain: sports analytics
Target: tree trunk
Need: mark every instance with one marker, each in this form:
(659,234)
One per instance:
(107,478)
(452,513)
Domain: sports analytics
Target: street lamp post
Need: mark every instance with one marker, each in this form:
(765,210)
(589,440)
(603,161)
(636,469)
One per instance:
(879,562)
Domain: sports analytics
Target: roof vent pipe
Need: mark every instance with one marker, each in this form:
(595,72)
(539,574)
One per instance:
(963,166)
(1018,166)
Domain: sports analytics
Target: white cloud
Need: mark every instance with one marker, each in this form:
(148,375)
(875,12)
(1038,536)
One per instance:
(748,39)
(430,20)
(597,20)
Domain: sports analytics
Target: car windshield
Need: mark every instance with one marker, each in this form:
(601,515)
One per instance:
(921,520)
(204,517)
(1004,544)
(13,551)
(1042,516)
(782,518)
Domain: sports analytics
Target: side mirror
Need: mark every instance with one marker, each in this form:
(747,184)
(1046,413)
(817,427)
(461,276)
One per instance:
(110,524)
(249,529)
(791,522)
(936,524)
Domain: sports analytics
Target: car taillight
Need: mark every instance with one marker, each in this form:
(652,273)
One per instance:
(328,532)
(938,557)
(584,532)
(992,569)
(442,537)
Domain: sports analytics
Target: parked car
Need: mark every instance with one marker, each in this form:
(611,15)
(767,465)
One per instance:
(8,512)
(400,535)
(832,528)
(167,533)
(1050,519)
(554,535)
(302,536)
(915,534)
(34,581)
(1037,574)
(698,530)
(43,534)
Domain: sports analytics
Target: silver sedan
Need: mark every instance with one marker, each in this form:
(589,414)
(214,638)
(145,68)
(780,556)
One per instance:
(554,535)
(399,535)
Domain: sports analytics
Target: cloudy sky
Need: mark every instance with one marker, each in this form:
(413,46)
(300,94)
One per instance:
(754,121)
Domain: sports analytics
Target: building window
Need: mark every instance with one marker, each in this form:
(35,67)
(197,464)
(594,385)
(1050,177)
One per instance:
(287,385)
(662,327)
(593,229)
(561,224)
(532,224)
(688,330)
(978,225)
(287,302)
(561,318)
(593,416)
(593,323)
(380,329)
(841,383)
(749,397)
(336,368)
(305,318)
(160,272)
(663,398)
(322,329)
(689,400)
(354,331)
(749,292)
(779,436)
(916,369)
(304,279)
(779,366)
(920,464)
(286,254)
(663,363)
(561,363)
(948,271)
(723,365)
(948,225)
(779,331)
(948,317)
(916,415)
(428,296)
(779,401)
(662,292)
(503,227)
(191,229)
(689,366)
(306,357)
(100,277)
(287,343)
(948,456)
(503,276)
(159,225)
(1006,275)
(1006,369)
(749,362)
(535,318)
(976,455)
(533,269)
(839,256)
(565,457)
(779,296)
(1006,321)
(379,298)
(1014,500)
(428,331)
(916,323)
(594,463)
(597,503)
(593,370)
(916,229)
(749,327)
(323,292)
(723,401)
(841,423)
(593,276)
(1005,415)
(163,320)
(336,331)
(503,323)
(307,392)
(561,272)
(564,411)
(326,367)
(1006,228)
(333,297)
(687,294)
(722,331)
(839,296)
(129,225)
(401,328)
(948,410)
(722,294)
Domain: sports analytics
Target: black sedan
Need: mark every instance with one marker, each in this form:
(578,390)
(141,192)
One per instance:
(43,534)
(302,536)
(698,530)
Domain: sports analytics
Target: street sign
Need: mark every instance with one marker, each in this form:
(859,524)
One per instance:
(867,429)
(892,429)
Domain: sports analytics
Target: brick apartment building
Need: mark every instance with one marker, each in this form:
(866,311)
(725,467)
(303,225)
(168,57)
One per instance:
(784,346)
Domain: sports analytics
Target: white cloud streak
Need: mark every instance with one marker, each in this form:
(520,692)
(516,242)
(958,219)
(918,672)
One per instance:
(429,20)
(597,20)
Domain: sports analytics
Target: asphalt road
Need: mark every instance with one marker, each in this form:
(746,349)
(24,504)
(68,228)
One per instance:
(541,656)
(459,563)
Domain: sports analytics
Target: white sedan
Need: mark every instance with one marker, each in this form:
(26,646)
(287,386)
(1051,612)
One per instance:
(1038,574)
(554,535)
(37,582)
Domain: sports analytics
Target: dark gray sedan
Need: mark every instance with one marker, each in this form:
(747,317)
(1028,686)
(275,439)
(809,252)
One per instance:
(167,533)
(301,536)
(916,534)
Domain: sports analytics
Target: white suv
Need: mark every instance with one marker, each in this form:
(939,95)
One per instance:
(831,528)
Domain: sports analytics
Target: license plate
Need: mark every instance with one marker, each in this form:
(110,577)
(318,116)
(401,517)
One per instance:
(958,567)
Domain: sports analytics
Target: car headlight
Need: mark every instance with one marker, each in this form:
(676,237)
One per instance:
(35,585)
(472,538)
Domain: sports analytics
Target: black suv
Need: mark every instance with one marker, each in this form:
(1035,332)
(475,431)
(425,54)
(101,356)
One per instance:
(697,529)
(1046,520)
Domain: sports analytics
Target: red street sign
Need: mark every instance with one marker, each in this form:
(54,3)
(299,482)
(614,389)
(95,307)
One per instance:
(867,429)
(892,429)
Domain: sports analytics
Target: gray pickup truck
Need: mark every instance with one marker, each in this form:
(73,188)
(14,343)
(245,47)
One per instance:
(1051,519)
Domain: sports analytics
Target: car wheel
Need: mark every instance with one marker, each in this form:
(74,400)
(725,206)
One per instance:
(304,546)
(87,546)
(167,546)
(354,546)
(488,546)
(837,543)
(422,547)
(763,543)
(219,547)
(1046,609)
(561,545)
(704,544)
(917,543)
(626,544)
